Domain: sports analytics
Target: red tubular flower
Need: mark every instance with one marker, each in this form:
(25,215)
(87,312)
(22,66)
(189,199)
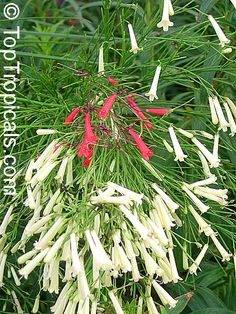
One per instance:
(144,150)
(112,81)
(84,150)
(158,111)
(89,135)
(139,112)
(86,162)
(90,139)
(103,112)
(72,116)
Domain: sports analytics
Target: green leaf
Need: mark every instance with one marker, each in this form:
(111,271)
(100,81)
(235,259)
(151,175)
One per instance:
(213,310)
(205,298)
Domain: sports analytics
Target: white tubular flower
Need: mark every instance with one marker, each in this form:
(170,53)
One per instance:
(185,257)
(3,258)
(216,146)
(94,306)
(222,38)
(101,258)
(46,153)
(54,275)
(69,173)
(206,134)
(66,253)
(174,271)
(135,271)
(36,304)
(227,50)
(69,307)
(150,264)
(164,295)
(167,146)
(202,207)
(86,306)
(46,131)
(134,45)
(31,200)
(168,201)
(51,203)
(97,222)
(62,298)
(207,194)
(193,268)
(105,199)
(100,62)
(44,172)
(17,303)
(25,257)
(140,305)
(203,226)
(115,303)
(223,123)
(123,261)
(155,247)
(132,195)
(83,287)
(54,249)
(166,270)
(29,171)
(165,22)
(50,234)
(170,8)
(152,94)
(158,231)
(153,171)
(68,272)
(76,264)
(214,162)
(61,170)
(140,228)
(204,182)
(185,133)
(33,228)
(177,148)
(217,192)
(45,276)
(232,124)
(128,244)
(232,106)
(30,266)
(108,192)
(214,117)
(234,3)
(225,255)
(151,306)
(15,277)
(163,213)
(6,220)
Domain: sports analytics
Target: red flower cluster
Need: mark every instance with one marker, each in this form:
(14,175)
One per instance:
(90,139)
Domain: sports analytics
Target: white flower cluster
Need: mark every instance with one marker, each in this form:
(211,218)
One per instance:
(137,238)
(218,117)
